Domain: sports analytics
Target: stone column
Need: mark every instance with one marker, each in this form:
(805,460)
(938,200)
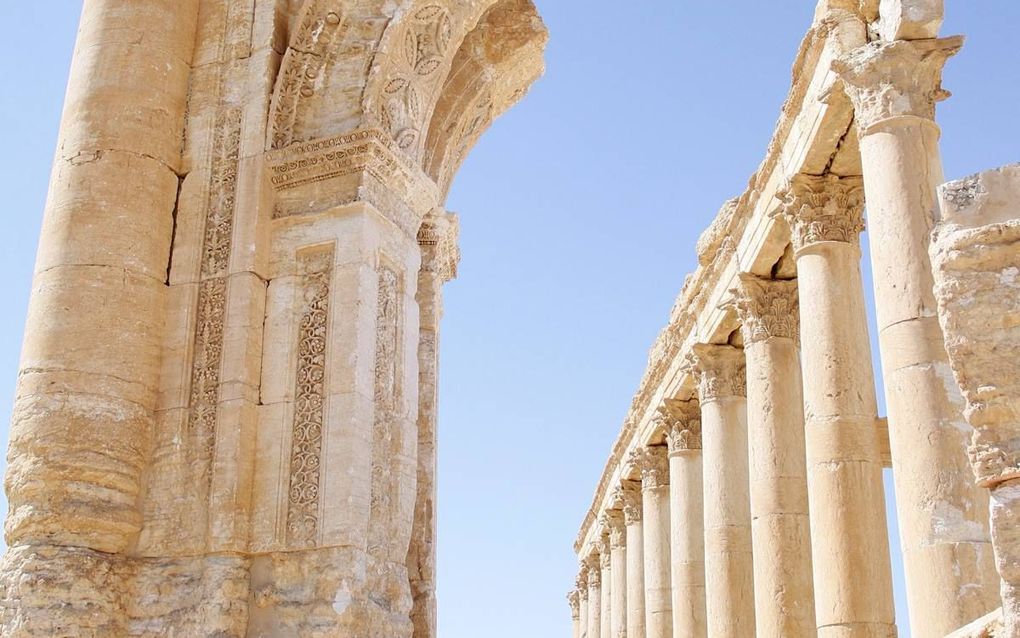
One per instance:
(655,505)
(82,425)
(853,580)
(440,255)
(976,258)
(594,597)
(614,522)
(574,600)
(780,528)
(606,563)
(630,493)
(582,601)
(687,519)
(729,569)
(942,514)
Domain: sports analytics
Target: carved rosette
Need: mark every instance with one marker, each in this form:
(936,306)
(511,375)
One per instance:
(823,209)
(654,467)
(309,401)
(613,521)
(574,600)
(684,431)
(719,370)
(423,50)
(768,309)
(629,492)
(440,250)
(888,80)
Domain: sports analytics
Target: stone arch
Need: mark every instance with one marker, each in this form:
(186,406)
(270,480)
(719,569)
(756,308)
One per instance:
(365,64)
(494,67)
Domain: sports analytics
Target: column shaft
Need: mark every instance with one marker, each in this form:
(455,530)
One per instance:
(607,594)
(615,522)
(583,607)
(91,357)
(594,600)
(655,505)
(942,513)
(687,529)
(632,511)
(437,239)
(780,528)
(853,581)
(729,569)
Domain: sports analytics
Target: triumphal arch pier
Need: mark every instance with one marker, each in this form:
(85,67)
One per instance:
(744,495)
(225,415)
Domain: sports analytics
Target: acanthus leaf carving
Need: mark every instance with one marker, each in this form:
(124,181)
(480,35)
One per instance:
(719,370)
(887,80)
(654,467)
(823,208)
(768,308)
(683,431)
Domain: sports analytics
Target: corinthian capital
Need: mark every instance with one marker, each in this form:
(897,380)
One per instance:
(768,309)
(629,493)
(823,209)
(888,80)
(581,582)
(594,571)
(613,521)
(574,600)
(438,239)
(654,467)
(719,370)
(684,431)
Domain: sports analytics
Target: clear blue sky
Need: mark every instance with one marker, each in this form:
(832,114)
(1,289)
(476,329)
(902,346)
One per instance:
(580,211)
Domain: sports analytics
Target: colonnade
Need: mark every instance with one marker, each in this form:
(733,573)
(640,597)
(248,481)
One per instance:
(762,508)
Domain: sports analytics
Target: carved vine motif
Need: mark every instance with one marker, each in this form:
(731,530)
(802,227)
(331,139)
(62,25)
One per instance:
(304,63)
(423,51)
(768,309)
(823,209)
(309,401)
(216,249)
(386,388)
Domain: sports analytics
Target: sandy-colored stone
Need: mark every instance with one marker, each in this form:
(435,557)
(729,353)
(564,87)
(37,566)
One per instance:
(976,259)
(226,415)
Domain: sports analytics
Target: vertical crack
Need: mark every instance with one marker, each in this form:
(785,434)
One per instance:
(173,230)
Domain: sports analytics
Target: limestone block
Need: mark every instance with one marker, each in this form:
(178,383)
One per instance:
(910,19)
(93,220)
(976,256)
(141,89)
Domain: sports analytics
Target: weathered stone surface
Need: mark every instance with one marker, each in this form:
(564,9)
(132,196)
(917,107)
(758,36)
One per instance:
(976,257)
(225,418)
